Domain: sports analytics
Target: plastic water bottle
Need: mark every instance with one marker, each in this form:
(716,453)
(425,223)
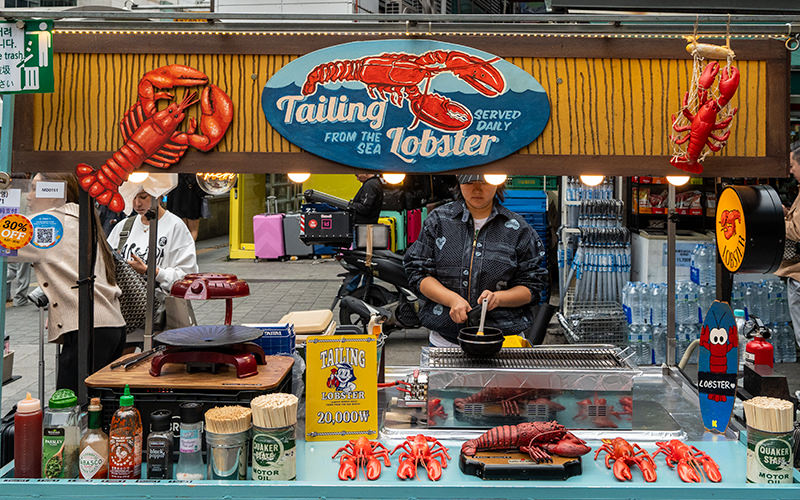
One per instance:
(705,297)
(660,344)
(738,317)
(680,302)
(791,352)
(638,302)
(645,346)
(633,341)
(658,304)
(780,305)
(694,264)
(627,290)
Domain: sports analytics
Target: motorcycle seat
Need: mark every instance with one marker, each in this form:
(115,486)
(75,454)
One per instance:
(388,254)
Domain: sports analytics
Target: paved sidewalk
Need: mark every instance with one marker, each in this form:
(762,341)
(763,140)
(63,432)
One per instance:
(275,289)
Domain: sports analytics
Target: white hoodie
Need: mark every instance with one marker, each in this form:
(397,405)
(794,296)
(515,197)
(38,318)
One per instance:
(175,252)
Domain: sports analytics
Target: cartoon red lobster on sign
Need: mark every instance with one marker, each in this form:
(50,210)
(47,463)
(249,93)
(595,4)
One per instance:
(727,220)
(703,123)
(151,136)
(400,74)
(716,341)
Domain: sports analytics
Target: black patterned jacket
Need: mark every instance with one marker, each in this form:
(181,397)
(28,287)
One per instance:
(505,253)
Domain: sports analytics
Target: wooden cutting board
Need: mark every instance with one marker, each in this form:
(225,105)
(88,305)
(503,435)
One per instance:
(174,376)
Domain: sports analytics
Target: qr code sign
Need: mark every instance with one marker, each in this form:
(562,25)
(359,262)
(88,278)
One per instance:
(44,236)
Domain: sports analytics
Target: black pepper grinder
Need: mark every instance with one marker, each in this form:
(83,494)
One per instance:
(159,445)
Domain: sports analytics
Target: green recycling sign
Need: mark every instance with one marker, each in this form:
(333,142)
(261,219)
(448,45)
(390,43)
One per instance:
(26,57)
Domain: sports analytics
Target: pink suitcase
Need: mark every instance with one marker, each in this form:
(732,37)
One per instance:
(268,236)
(413,225)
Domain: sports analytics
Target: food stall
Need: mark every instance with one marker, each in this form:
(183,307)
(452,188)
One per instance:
(593,102)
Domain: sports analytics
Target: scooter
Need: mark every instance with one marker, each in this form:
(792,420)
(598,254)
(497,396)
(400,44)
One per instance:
(386,267)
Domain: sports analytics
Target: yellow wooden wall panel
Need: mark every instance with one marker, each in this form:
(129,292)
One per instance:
(598,106)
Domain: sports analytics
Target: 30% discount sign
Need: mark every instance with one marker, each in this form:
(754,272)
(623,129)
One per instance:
(15,231)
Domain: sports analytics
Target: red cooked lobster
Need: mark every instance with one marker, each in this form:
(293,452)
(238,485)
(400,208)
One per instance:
(624,454)
(399,75)
(540,440)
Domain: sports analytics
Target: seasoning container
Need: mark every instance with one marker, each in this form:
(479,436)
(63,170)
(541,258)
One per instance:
(61,436)
(273,448)
(93,461)
(770,426)
(28,438)
(190,462)
(159,445)
(227,436)
(125,440)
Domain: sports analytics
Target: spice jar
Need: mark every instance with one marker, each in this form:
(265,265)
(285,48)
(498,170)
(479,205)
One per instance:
(159,445)
(61,436)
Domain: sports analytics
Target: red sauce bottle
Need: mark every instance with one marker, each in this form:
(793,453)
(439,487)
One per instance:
(28,438)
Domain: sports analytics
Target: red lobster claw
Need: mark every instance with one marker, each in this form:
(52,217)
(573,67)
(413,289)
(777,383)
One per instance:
(349,469)
(434,469)
(688,473)
(407,469)
(217,114)
(373,469)
(477,72)
(728,83)
(622,471)
(439,112)
(708,75)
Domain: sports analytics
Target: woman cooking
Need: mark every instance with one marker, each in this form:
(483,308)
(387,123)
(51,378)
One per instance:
(474,249)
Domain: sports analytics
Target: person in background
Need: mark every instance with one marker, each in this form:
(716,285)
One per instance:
(366,204)
(57,273)
(175,251)
(470,249)
(787,270)
(186,201)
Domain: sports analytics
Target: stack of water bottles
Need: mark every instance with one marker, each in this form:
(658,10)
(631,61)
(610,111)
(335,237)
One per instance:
(767,300)
(645,307)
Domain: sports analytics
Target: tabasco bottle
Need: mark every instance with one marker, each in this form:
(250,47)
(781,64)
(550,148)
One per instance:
(125,440)
(93,459)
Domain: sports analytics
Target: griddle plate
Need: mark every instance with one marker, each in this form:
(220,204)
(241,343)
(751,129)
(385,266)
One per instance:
(594,358)
(208,335)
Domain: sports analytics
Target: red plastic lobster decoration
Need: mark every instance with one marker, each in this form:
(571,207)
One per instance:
(151,136)
(416,451)
(689,460)
(362,453)
(704,122)
(399,75)
(624,455)
(728,221)
(626,402)
(539,440)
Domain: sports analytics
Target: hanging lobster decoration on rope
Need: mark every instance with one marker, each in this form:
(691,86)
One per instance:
(152,136)
(397,77)
(703,123)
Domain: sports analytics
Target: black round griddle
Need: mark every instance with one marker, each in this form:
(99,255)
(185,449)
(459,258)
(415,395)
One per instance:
(203,336)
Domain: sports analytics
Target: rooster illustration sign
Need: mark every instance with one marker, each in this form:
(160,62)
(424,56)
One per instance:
(406,105)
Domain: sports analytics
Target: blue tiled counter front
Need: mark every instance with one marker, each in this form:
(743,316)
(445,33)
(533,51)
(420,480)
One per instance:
(317,479)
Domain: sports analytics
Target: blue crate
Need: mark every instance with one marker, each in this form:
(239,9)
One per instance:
(276,338)
(521,200)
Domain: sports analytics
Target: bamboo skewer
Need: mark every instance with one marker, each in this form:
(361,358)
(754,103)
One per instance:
(272,411)
(769,414)
(228,419)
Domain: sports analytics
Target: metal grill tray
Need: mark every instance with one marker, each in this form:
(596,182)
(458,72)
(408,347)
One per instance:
(578,357)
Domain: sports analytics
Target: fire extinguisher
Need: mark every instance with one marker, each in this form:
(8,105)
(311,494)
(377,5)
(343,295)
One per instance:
(758,351)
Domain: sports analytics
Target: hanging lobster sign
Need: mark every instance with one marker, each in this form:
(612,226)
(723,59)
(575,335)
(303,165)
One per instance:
(152,136)
(703,123)
(406,105)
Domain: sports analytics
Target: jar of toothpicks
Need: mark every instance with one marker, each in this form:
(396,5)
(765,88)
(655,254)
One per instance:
(274,419)
(770,423)
(227,436)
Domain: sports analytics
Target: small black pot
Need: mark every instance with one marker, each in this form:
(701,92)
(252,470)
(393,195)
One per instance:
(481,349)
(489,332)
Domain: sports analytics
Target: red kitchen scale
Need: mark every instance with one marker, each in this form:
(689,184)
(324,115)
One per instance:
(207,347)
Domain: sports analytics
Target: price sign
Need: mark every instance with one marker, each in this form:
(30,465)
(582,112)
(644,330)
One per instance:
(341,387)
(15,231)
